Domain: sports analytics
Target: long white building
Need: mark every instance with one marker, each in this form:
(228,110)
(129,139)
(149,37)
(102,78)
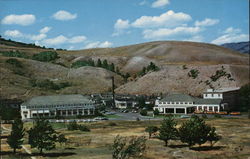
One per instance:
(57,105)
(212,101)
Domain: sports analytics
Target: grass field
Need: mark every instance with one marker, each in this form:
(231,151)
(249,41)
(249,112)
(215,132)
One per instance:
(96,144)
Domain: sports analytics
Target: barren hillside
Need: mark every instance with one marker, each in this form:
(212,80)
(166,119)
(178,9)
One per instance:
(169,56)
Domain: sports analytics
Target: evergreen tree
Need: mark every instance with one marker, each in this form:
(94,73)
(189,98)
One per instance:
(168,130)
(117,70)
(194,131)
(105,64)
(112,67)
(99,63)
(42,136)
(15,140)
(213,137)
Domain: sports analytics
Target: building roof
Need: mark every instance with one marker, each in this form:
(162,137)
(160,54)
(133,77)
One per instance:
(221,90)
(207,101)
(178,97)
(57,100)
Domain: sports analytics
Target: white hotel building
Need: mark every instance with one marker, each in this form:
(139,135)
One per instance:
(212,101)
(58,105)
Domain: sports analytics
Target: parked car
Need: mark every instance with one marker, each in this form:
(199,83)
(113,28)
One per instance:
(184,116)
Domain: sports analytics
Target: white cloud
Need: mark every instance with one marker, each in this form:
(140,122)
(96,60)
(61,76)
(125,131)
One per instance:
(143,3)
(77,39)
(105,44)
(207,22)
(13,33)
(55,41)
(63,40)
(231,35)
(166,33)
(160,3)
(120,26)
(98,44)
(24,19)
(196,38)
(45,30)
(231,30)
(37,37)
(64,15)
(168,19)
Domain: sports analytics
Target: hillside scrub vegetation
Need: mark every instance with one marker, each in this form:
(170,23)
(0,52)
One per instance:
(14,62)
(45,56)
(14,54)
(47,84)
(150,67)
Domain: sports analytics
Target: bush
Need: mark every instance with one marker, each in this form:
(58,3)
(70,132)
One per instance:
(14,54)
(151,130)
(72,126)
(144,112)
(46,56)
(83,128)
(47,84)
(124,149)
(217,116)
(112,124)
(14,62)
(193,73)
(156,112)
(204,116)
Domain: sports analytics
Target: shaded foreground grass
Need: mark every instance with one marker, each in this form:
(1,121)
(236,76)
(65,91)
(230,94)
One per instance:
(96,144)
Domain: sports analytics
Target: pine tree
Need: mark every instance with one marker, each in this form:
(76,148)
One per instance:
(105,64)
(99,63)
(15,140)
(168,130)
(42,136)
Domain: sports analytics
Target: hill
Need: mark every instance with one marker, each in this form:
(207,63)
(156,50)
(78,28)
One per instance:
(242,47)
(175,59)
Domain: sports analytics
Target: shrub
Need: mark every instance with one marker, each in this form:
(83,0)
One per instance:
(156,112)
(204,116)
(112,124)
(217,116)
(83,128)
(14,62)
(46,56)
(144,112)
(193,73)
(14,54)
(72,126)
(151,130)
(124,149)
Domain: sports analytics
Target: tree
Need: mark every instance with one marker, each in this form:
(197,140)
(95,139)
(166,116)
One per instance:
(112,67)
(105,64)
(156,112)
(194,131)
(42,136)
(213,137)
(244,97)
(151,130)
(144,112)
(124,148)
(61,139)
(168,130)
(141,102)
(72,126)
(15,140)
(99,63)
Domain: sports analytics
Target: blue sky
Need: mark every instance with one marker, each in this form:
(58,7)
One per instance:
(80,24)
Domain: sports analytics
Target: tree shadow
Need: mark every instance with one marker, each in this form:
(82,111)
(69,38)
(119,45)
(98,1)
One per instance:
(50,154)
(178,146)
(207,148)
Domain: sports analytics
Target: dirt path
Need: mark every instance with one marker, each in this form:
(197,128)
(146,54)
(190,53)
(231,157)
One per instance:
(24,147)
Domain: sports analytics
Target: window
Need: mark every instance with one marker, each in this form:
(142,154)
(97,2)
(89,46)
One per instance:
(210,108)
(216,109)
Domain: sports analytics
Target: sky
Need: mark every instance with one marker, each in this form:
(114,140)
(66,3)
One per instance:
(82,24)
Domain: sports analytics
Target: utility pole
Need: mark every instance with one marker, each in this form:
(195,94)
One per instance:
(113,91)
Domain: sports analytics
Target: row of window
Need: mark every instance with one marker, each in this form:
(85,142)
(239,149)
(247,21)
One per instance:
(56,106)
(219,95)
(175,103)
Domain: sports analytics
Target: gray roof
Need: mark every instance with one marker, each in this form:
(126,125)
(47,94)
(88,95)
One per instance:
(187,98)
(178,97)
(207,101)
(58,100)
